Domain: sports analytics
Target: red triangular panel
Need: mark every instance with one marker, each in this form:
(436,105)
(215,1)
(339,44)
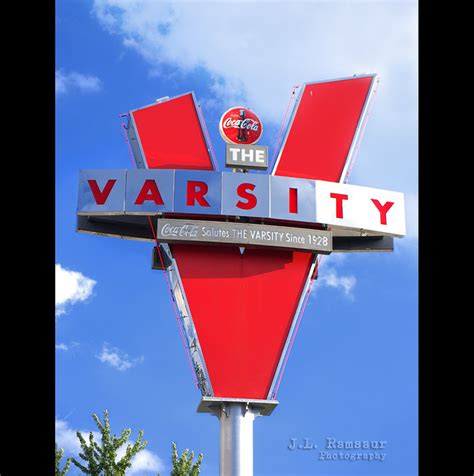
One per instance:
(242,308)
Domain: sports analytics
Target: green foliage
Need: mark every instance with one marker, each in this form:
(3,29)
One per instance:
(100,459)
(184,466)
(59,455)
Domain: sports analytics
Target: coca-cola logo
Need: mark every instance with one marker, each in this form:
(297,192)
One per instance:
(240,125)
(186,230)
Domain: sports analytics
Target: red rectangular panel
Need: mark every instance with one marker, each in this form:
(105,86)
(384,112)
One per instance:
(170,135)
(323,128)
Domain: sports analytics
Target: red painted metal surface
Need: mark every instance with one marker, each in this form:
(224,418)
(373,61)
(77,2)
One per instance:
(171,135)
(243,305)
(323,128)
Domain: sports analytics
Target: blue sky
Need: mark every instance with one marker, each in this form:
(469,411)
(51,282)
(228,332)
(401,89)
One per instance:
(352,373)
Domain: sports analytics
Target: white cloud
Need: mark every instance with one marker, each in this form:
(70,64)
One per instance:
(71,287)
(67,439)
(145,460)
(258,50)
(65,82)
(66,347)
(328,275)
(331,278)
(117,359)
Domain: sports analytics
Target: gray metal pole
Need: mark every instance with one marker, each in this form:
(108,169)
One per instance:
(236,439)
(236,416)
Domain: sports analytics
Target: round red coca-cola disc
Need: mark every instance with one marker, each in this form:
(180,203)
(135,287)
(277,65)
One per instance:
(240,125)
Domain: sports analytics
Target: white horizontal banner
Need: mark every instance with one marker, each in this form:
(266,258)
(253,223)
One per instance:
(365,208)
(205,193)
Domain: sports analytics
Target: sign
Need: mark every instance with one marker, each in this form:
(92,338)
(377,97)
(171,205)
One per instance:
(240,125)
(225,233)
(246,156)
(144,192)
(239,311)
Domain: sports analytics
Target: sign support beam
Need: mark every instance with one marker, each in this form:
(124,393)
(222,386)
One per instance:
(236,439)
(236,417)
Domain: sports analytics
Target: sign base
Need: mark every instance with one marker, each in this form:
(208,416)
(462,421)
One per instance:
(236,417)
(214,404)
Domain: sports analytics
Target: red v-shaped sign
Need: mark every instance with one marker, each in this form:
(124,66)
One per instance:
(243,306)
